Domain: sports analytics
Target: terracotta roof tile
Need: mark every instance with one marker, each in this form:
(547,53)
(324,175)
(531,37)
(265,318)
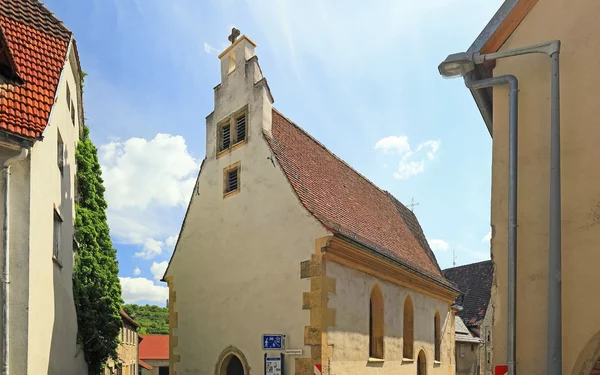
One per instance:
(475,282)
(154,347)
(34,43)
(144,365)
(345,202)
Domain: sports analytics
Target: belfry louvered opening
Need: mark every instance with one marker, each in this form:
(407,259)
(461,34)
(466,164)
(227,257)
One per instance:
(231,179)
(240,128)
(225,136)
(232,133)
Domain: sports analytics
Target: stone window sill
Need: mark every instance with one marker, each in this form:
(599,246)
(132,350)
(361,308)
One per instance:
(437,363)
(407,360)
(375,360)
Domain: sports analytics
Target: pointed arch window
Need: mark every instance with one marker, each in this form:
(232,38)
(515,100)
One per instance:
(421,363)
(408,329)
(376,324)
(437,337)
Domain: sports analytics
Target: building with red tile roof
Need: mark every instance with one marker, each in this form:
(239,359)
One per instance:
(284,242)
(154,353)
(41,120)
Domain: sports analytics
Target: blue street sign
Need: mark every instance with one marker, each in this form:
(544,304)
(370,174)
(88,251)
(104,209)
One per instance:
(273,342)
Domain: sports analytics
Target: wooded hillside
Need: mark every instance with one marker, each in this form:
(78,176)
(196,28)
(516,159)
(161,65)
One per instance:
(152,319)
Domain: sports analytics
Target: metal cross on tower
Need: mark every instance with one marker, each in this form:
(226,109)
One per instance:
(234,34)
(412,204)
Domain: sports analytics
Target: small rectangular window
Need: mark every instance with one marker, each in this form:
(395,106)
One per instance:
(73,113)
(60,152)
(231,179)
(68,97)
(225,137)
(240,128)
(57,232)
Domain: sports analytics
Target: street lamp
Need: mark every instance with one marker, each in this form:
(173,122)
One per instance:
(463,64)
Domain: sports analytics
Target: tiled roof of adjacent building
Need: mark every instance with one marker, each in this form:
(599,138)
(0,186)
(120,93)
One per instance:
(154,347)
(144,365)
(475,281)
(34,46)
(346,203)
(463,334)
(129,319)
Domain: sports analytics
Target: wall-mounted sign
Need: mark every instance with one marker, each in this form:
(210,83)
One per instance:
(501,370)
(273,365)
(273,342)
(293,351)
(318,370)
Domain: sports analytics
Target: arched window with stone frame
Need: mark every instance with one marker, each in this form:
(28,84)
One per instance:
(437,337)
(408,329)
(376,324)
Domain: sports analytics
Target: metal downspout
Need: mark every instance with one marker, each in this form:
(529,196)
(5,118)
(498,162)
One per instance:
(554,355)
(5,258)
(512,204)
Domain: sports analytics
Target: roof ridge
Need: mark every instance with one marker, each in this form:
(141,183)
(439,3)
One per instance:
(329,151)
(467,265)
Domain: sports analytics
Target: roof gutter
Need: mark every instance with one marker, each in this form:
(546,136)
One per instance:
(394,261)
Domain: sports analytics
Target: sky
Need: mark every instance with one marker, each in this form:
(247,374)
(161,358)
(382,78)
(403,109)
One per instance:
(361,77)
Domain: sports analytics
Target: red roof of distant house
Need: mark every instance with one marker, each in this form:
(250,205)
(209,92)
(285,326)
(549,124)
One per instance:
(144,365)
(347,203)
(154,347)
(33,51)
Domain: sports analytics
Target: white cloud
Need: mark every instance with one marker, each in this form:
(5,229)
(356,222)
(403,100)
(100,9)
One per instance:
(393,144)
(158,269)
(139,172)
(439,245)
(433,147)
(171,241)
(209,49)
(148,182)
(487,237)
(151,249)
(411,163)
(136,289)
(137,271)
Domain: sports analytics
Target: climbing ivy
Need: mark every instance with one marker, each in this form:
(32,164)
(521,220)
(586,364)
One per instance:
(96,286)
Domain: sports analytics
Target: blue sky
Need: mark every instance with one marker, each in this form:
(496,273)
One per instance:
(359,76)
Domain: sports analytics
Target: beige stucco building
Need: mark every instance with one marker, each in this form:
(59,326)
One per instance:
(154,354)
(468,351)
(521,23)
(128,350)
(41,116)
(283,237)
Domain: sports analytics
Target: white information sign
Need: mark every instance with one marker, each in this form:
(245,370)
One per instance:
(293,351)
(273,366)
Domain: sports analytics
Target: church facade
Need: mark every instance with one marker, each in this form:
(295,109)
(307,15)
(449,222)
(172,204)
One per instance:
(281,237)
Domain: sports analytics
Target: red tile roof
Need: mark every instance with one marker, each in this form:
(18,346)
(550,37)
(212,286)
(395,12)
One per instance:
(154,347)
(345,202)
(34,47)
(144,365)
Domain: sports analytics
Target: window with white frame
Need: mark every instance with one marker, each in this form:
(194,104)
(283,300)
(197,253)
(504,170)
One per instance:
(57,234)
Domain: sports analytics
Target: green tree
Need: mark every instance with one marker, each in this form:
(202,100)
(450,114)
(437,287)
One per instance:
(153,320)
(96,285)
